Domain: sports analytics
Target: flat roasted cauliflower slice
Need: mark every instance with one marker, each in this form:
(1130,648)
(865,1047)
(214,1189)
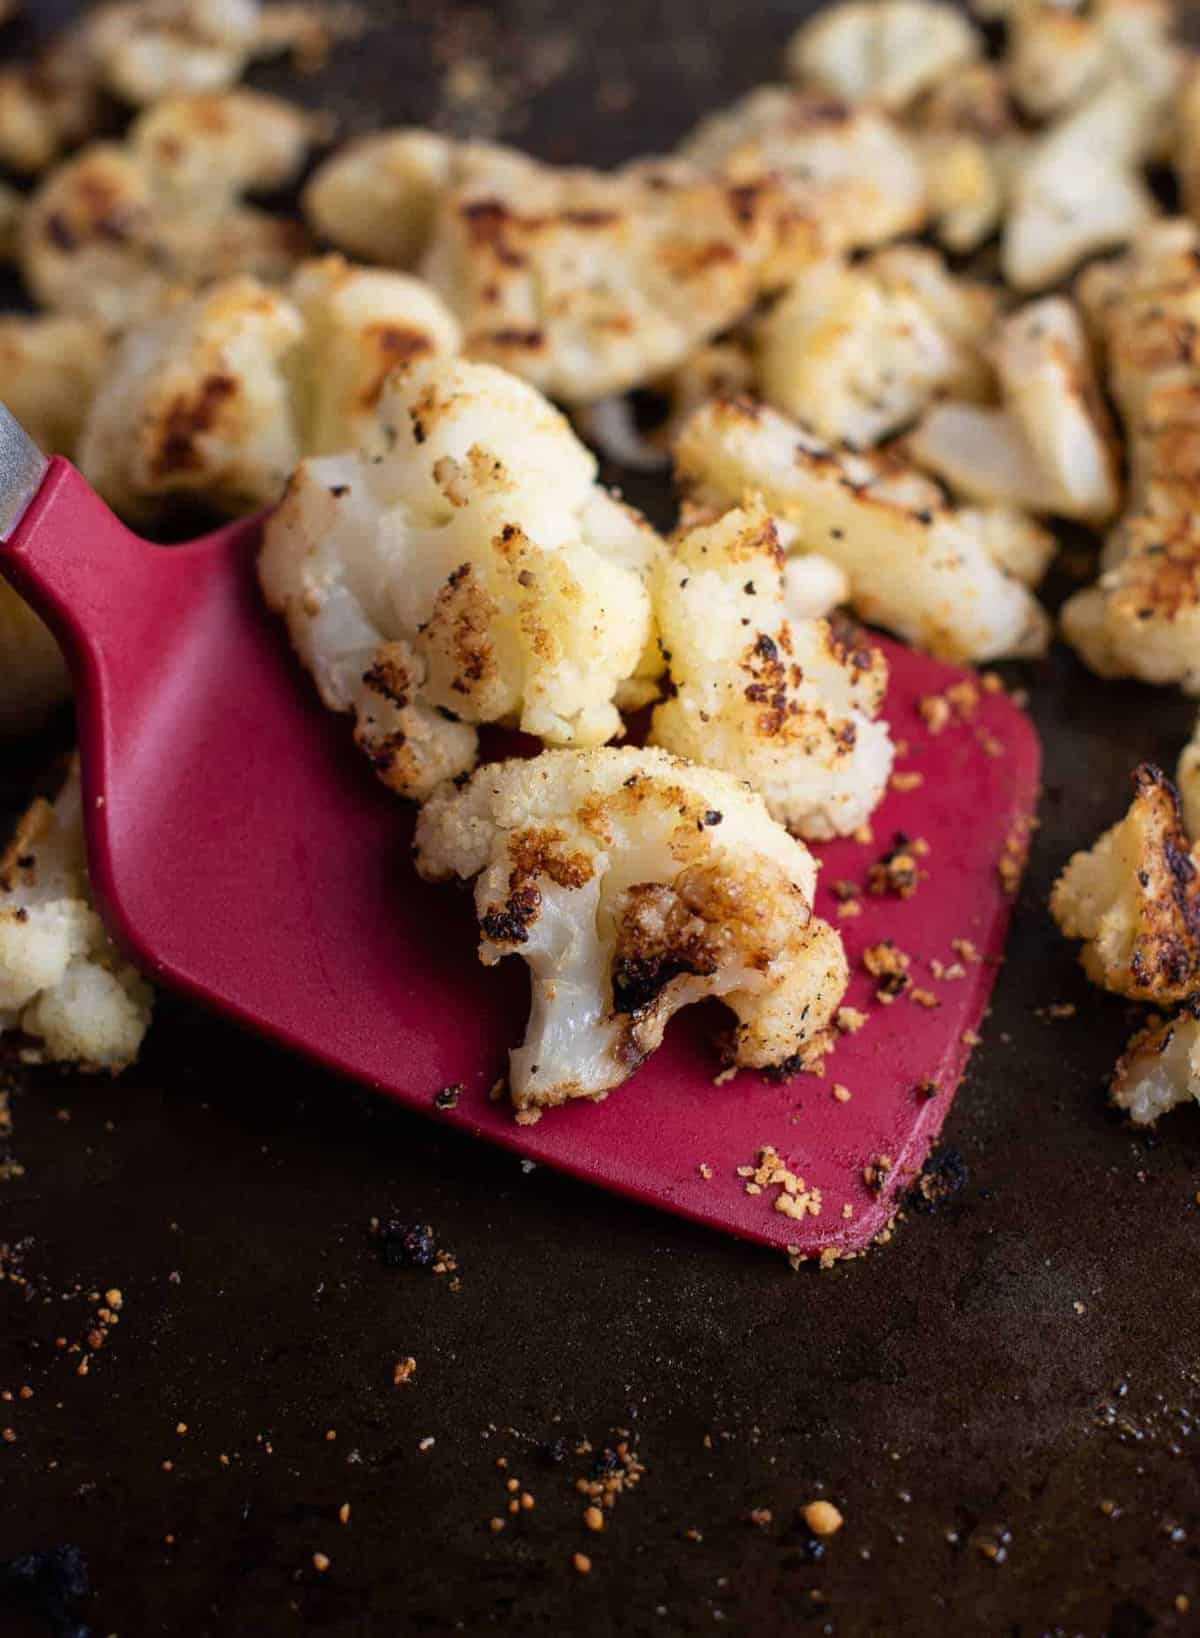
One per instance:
(589,283)
(1050,445)
(114,229)
(470,571)
(1160,1067)
(1134,899)
(915,564)
(62,983)
(858,351)
(885,51)
(633,883)
(851,179)
(376,197)
(791,707)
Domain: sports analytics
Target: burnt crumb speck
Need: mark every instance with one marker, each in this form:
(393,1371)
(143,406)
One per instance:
(448,1097)
(45,1584)
(407,1245)
(926,1091)
(943,1176)
(713,817)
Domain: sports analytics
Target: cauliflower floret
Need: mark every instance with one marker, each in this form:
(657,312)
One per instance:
(851,179)
(589,284)
(886,51)
(221,396)
(1134,898)
(633,883)
(197,403)
(50,367)
(49,104)
(1016,543)
(33,673)
(790,708)
(723,369)
(1079,188)
(1062,51)
(61,980)
(147,49)
(1050,447)
(857,352)
(1160,1067)
(376,197)
(114,229)
(915,565)
(970,143)
(473,571)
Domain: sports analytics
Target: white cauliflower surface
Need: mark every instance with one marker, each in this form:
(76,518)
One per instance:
(791,707)
(1160,1067)
(858,351)
(376,197)
(886,51)
(1049,446)
(633,883)
(916,565)
(469,571)
(62,983)
(970,142)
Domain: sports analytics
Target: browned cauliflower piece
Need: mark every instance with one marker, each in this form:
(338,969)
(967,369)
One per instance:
(148,49)
(790,706)
(1134,899)
(970,143)
(885,51)
(634,883)
(377,196)
(50,367)
(915,565)
(1063,51)
(116,228)
(48,104)
(1160,1067)
(1049,446)
(589,283)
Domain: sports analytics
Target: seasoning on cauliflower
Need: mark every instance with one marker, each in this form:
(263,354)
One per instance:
(857,351)
(1134,898)
(62,983)
(915,565)
(885,51)
(1050,446)
(970,142)
(471,571)
(589,283)
(1063,51)
(851,178)
(1160,1067)
(792,708)
(113,230)
(1079,187)
(219,397)
(633,883)
(376,197)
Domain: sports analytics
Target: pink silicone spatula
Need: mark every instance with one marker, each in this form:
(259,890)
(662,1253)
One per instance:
(242,852)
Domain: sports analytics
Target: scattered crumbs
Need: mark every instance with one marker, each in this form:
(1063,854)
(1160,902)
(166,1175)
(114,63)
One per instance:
(935,712)
(841,1093)
(923,998)
(992,683)
(495,1525)
(828,1257)
(725,1076)
(181,1427)
(448,1097)
(705,1170)
(693,1534)
(427,1443)
(581,1563)
(1182,1603)
(344,1513)
(875,1173)
(795,1257)
(970,1038)
(330,1435)
(896,872)
(1079,1307)
(845,890)
(794,1198)
(965,950)
(908,781)
(593,1517)
(403,1371)
(849,909)
(760,1517)
(1060,1009)
(848,1210)
(864,835)
(1010,866)
(823,1518)
(890,965)
(849,1020)
(321,1562)
(988,743)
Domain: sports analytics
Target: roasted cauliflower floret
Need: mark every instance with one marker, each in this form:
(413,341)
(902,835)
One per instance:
(1079,188)
(113,230)
(633,883)
(1062,51)
(376,197)
(857,352)
(589,284)
(1134,898)
(50,367)
(197,402)
(472,571)
(850,177)
(1050,446)
(886,51)
(49,104)
(62,983)
(969,141)
(147,49)
(790,707)
(915,565)
(1160,1067)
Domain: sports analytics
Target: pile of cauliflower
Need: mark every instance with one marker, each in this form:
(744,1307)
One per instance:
(856,428)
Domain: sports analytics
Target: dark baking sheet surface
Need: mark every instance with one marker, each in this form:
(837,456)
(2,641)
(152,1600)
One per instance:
(989,1380)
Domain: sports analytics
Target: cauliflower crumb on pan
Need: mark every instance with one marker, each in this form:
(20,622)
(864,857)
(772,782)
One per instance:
(1050,445)
(633,883)
(792,708)
(916,565)
(885,51)
(62,983)
(471,570)
(1134,899)
(858,351)
(1160,1067)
